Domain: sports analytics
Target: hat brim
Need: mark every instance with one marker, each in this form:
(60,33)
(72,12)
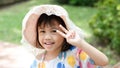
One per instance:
(30,29)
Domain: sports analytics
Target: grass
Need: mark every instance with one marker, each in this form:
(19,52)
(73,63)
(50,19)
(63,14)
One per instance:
(11,21)
(11,18)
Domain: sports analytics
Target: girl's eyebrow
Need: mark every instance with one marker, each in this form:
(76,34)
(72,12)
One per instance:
(55,28)
(40,27)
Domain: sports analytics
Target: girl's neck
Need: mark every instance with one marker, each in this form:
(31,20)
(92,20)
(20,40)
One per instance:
(51,55)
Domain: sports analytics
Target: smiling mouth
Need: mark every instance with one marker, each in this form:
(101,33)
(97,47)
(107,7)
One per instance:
(49,43)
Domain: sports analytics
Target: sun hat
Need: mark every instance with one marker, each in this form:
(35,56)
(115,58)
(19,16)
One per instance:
(29,33)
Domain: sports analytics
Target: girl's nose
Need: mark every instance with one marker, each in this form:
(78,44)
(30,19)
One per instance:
(47,36)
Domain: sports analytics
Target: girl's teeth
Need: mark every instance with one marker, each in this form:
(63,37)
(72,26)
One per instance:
(48,43)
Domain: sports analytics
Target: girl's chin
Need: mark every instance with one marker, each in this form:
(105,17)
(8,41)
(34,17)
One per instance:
(50,50)
(48,46)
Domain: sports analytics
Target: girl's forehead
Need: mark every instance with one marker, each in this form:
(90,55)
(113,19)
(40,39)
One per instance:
(49,25)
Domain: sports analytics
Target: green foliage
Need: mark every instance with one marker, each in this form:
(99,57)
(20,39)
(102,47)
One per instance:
(6,2)
(83,2)
(106,23)
(61,1)
(78,2)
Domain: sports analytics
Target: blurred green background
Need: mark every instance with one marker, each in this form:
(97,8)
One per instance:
(81,12)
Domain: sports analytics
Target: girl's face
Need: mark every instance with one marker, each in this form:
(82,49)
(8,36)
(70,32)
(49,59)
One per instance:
(49,38)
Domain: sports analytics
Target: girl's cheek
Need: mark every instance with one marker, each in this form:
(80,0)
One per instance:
(40,39)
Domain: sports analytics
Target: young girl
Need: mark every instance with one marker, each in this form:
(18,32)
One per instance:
(48,27)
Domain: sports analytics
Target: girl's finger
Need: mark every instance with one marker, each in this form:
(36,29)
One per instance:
(65,30)
(61,33)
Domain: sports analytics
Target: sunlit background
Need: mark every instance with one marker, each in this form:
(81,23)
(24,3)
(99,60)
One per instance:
(100,20)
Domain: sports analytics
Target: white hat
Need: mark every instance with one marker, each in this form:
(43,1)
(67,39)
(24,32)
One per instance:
(29,33)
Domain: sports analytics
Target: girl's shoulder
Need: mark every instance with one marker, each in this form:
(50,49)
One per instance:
(34,64)
(82,57)
(75,50)
(36,60)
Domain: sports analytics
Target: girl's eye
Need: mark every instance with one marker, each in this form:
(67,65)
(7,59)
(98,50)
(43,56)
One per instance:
(42,31)
(54,31)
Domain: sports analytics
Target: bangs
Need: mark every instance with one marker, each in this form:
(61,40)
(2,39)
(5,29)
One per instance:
(45,20)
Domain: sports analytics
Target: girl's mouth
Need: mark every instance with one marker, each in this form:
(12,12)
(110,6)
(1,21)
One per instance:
(49,43)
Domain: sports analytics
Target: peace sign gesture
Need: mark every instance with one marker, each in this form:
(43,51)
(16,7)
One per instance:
(71,36)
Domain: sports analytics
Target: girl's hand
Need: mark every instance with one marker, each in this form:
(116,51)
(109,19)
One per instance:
(71,36)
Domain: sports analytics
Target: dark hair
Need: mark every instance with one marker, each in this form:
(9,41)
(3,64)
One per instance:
(47,19)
